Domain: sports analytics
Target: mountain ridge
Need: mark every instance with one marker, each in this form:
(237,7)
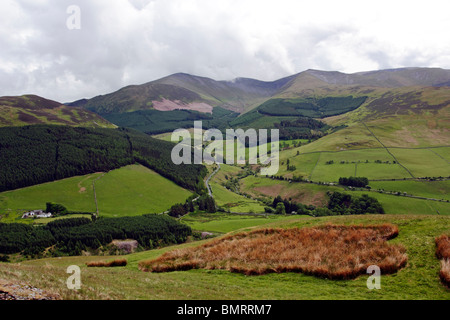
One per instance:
(186,91)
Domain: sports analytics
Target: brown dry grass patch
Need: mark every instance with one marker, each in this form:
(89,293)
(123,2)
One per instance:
(109,264)
(168,105)
(443,253)
(329,251)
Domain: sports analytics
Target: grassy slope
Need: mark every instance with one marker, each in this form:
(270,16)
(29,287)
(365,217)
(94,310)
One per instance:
(427,189)
(30,109)
(233,201)
(135,190)
(422,162)
(131,190)
(223,223)
(412,137)
(75,193)
(362,163)
(419,280)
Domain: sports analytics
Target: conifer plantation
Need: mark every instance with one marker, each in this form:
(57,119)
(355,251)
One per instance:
(36,154)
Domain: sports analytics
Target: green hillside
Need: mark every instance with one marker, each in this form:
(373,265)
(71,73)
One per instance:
(133,98)
(156,122)
(310,107)
(128,191)
(31,109)
(187,92)
(135,190)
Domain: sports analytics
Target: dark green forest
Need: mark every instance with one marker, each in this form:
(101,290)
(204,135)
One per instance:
(301,128)
(37,154)
(311,107)
(155,122)
(291,125)
(203,203)
(71,236)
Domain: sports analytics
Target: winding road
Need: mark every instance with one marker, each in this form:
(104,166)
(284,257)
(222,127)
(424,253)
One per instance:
(209,178)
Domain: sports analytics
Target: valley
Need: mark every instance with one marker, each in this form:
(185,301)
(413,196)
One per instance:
(389,127)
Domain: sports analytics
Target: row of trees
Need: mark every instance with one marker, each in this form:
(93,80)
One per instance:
(42,153)
(358,182)
(288,205)
(311,107)
(338,204)
(201,203)
(56,208)
(71,236)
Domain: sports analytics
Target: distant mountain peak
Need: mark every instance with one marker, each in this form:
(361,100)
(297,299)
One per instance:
(32,109)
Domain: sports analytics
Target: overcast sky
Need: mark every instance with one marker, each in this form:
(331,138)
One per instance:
(124,42)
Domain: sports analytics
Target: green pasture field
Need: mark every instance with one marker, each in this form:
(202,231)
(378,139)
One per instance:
(226,222)
(354,165)
(304,164)
(332,173)
(393,204)
(75,193)
(444,152)
(381,171)
(135,190)
(350,138)
(69,216)
(427,189)
(233,201)
(226,170)
(314,194)
(422,162)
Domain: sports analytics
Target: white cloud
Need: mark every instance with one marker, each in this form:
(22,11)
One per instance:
(135,41)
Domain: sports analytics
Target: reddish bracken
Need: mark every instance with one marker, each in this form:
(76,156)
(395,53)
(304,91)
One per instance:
(114,263)
(329,251)
(443,253)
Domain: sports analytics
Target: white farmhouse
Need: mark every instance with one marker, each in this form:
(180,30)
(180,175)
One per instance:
(36,214)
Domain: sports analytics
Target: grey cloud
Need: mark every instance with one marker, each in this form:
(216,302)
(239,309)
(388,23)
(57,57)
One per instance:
(136,41)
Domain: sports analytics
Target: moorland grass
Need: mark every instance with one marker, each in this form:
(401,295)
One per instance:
(108,264)
(330,251)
